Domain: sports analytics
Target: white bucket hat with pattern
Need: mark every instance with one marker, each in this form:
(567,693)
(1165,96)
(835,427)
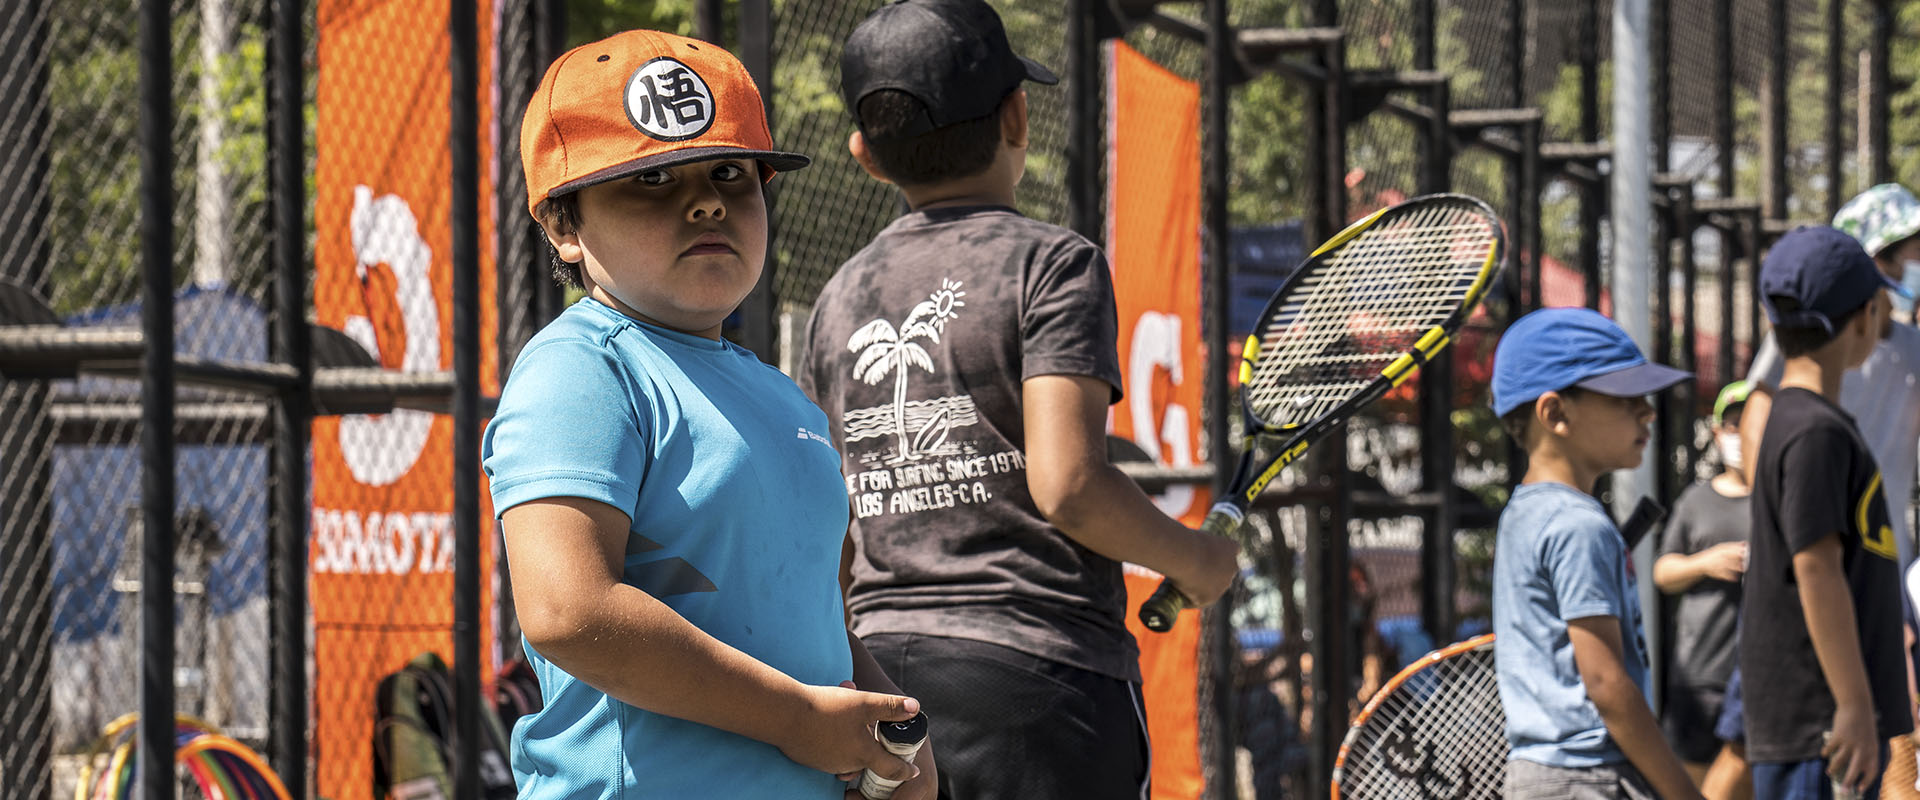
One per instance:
(1879,217)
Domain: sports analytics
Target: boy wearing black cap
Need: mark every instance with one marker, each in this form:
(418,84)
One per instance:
(1571,387)
(966,361)
(1821,632)
(670,505)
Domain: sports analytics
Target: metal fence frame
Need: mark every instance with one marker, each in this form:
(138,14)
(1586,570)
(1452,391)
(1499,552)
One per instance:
(301,379)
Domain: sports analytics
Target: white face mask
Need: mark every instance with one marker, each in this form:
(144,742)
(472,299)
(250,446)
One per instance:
(1909,278)
(1729,444)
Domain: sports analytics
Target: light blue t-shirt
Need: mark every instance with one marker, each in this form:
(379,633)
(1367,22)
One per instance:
(738,513)
(1558,558)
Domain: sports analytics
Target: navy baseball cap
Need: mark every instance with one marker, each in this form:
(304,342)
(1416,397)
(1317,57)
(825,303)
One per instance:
(951,55)
(1554,348)
(1824,270)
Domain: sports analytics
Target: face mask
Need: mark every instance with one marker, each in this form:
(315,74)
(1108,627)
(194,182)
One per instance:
(1729,444)
(1909,278)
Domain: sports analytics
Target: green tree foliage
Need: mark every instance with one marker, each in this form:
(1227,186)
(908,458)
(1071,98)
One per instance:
(94,148)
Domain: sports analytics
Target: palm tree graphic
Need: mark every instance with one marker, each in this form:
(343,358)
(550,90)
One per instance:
(885,349)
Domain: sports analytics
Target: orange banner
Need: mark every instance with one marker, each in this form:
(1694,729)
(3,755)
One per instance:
(382,526)
(1154,243)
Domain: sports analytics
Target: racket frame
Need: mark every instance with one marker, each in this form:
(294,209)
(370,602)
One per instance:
(1418,666)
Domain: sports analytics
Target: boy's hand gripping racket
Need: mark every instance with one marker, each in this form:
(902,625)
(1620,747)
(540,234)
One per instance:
(902,739)
(1356,319)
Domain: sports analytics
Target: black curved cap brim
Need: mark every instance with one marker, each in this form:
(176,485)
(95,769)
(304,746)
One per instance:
(1636,381)
(1038,73)
(775,159)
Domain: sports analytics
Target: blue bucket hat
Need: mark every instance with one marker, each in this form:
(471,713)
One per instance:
(1825,271)
(1554,348)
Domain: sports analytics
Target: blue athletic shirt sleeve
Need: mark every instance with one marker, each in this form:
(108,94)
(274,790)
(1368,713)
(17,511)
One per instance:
(567,427)
(1583,552)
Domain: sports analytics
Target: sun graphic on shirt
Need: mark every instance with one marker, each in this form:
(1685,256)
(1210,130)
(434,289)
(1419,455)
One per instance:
(945,300)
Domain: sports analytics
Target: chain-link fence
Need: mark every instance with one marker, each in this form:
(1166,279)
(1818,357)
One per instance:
(70,461)
(70,487)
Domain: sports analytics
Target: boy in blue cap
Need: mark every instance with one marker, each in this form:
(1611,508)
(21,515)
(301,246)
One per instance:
(1571,387)
(1821,623)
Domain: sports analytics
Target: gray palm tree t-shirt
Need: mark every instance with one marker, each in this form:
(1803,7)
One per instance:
(917,350)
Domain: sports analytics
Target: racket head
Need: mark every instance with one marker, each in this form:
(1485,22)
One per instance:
(1377,300)
(1435,730)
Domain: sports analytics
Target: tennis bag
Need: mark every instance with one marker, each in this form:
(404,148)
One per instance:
(412,751)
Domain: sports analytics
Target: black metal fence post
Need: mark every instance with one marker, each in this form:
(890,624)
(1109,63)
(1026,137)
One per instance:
(464,146)
(26,428)
(1533,240)
(1660,32)
(1836,45)
(1327,549)
(1774,179)
(1086,209)
(1216,316)
(1591,197)
(155,763)
(759,323)
(287,548)
(1436,413)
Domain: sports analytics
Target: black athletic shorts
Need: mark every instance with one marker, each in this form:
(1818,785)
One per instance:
(1688,721)
(1009,725)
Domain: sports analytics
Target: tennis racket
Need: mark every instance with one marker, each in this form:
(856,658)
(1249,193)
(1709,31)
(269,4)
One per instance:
(1356,319)
(1436,731)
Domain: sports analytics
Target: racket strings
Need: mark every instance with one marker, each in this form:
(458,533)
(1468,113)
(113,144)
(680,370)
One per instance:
(1439,734)
(1363,306)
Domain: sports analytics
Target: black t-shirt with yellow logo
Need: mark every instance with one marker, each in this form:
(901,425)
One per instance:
(1814,477)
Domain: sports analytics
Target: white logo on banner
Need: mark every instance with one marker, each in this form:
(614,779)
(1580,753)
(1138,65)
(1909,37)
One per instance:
(1156,346)
(667,100)
(380,448)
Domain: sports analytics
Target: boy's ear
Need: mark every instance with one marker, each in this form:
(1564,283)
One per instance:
(566,244)
(857,145)
(1013,119)
(1550,413)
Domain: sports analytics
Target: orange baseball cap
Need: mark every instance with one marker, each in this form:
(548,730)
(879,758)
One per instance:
(641,100)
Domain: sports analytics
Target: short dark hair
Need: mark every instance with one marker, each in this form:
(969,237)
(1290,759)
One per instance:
(562,211)
(1520,418)
(1799,341)
(960,150)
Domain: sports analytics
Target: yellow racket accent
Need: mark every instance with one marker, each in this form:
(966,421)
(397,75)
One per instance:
(1351,231)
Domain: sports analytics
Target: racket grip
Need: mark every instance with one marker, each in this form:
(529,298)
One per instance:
(1160,610)
(902,739)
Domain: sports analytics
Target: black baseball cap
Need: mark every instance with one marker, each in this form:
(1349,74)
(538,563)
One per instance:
(951,55)
(1823,270)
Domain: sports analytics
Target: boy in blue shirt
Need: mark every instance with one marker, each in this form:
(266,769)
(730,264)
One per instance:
(1571,658)
(671,507)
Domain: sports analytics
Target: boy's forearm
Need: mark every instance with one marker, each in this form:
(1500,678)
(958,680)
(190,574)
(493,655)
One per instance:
(1830,622)
(1635,731)
(1597,647)
(1109,514)
(1674,573)
(641,652)
(867,673)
